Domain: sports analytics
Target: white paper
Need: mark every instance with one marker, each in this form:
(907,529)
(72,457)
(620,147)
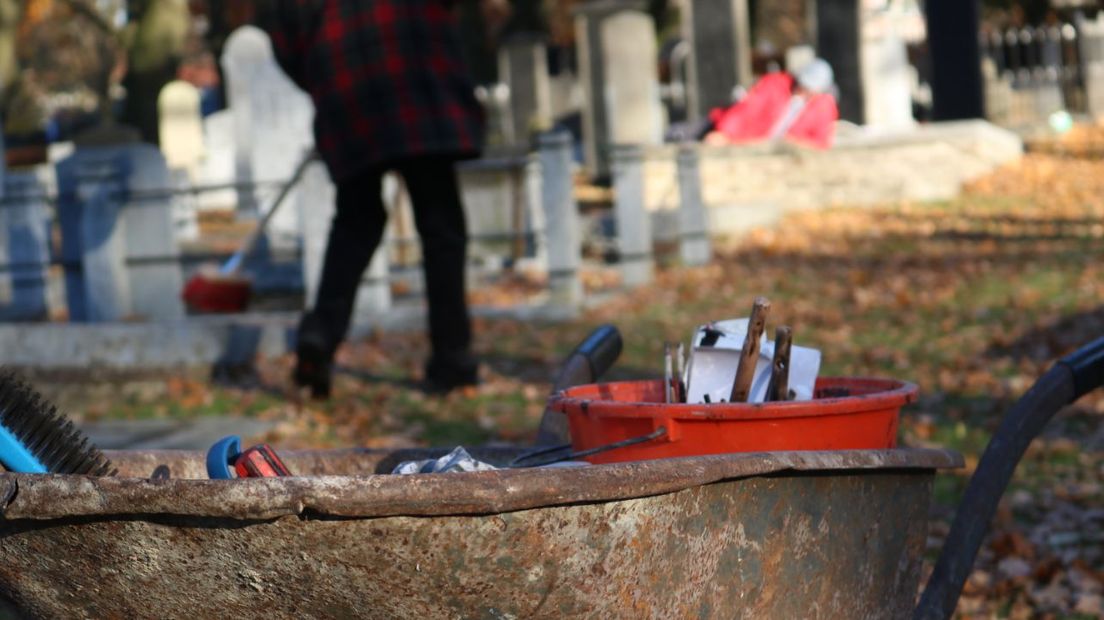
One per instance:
(712,369)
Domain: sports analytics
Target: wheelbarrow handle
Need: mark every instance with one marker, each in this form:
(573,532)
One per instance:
(1072,377)
(590,360)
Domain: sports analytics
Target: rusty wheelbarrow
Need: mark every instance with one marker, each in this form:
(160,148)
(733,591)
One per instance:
(771,535)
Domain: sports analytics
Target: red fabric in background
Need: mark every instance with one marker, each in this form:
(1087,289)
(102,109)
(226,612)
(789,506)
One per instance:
(752,118)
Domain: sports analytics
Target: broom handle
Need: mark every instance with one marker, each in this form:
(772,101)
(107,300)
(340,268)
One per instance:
(234,264)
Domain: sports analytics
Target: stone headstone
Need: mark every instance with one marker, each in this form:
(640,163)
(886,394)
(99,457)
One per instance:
(838,42)
(561,220)
(618,68)
(180,126)
(118,242)
(887,90)
(272,126)
(184,203)
(694,246)
(498,207)
(91,185)
(523,67)
(865,45)
(634,235)
(24,245)
(953,27)
(720,59)
(152,255)
(218,165)
(1091,47)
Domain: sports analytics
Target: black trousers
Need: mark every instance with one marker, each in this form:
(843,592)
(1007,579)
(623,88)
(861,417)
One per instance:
(358,229)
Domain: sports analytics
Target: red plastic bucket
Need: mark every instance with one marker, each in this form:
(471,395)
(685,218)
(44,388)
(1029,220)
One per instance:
(847,413)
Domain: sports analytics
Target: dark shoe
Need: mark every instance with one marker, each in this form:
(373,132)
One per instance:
(314,358)
(444,373)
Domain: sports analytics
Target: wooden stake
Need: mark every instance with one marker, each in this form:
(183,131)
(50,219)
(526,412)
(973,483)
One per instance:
(668,393)
(745,372)
(779,388)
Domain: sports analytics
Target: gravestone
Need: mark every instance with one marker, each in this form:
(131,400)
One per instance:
(956,59)
(561,220)
(24,245)
(272,127)
(720,59)
(694,246)
(887,90)
(118,245)
(863,43)
(523,67)
(497,207)
(1091,47)
(152,254)
(316,204)
(838,43)
(91,183)
(180,126)
(618,68)
(634,235)
(218,165)
(184,203)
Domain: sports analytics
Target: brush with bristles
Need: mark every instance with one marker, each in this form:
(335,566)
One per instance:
(36,439)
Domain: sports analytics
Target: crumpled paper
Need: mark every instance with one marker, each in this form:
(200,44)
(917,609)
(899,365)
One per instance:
(457,460)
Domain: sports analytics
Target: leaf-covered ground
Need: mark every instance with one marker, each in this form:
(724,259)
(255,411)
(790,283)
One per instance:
(972,299)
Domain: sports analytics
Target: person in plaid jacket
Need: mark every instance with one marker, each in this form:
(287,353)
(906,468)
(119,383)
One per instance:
(391,92)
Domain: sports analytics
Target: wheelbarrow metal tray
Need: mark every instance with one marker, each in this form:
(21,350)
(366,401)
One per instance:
(771,535)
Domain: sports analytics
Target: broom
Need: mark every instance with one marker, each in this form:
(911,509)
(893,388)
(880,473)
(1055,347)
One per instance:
(226,288)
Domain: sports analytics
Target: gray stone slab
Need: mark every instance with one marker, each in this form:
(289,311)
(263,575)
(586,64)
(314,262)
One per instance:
(720,37)
(634,235)
(561,219)
(24,245)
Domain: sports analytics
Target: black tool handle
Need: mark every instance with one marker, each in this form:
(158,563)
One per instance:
(590,360)
(1069,379)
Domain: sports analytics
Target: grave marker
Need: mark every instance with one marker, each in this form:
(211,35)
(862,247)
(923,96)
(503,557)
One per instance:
(720,59)
(181,126)
(618,69)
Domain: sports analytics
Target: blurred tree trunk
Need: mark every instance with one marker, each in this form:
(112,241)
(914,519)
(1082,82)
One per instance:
(154,40)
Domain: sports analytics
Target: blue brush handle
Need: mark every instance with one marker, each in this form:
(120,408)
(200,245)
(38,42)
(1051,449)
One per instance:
(220,455)
(16,457)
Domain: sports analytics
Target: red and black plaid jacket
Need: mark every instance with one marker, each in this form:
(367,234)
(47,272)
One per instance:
(386,77)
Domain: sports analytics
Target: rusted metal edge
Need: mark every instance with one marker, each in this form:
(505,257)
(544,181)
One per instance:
(8,487)
(53,497)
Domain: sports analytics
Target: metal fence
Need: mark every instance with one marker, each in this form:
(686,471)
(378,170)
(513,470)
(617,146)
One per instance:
(1032,72)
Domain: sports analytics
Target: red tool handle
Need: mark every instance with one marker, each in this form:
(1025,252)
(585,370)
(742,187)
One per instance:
(260,462)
